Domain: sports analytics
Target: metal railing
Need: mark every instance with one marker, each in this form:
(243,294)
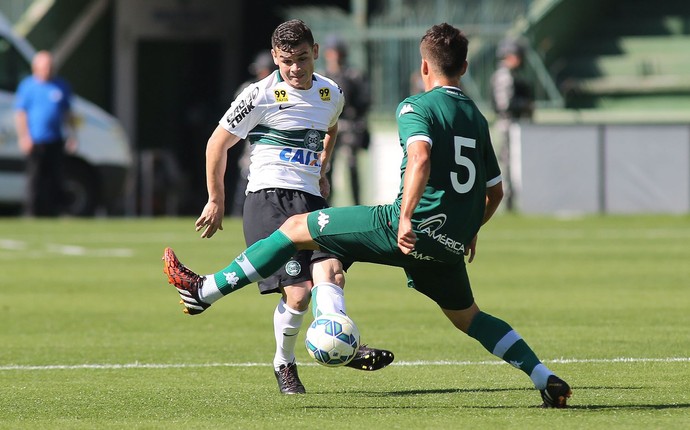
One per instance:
(387,46)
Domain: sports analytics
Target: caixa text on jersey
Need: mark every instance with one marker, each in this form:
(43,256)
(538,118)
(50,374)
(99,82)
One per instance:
(300,156)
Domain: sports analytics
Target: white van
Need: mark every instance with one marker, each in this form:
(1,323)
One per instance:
(95,175)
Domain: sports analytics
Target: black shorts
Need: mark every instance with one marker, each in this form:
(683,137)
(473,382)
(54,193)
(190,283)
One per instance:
(264,212)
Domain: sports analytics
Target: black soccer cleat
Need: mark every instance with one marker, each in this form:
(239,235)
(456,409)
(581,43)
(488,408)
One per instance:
(371,359)
(187,283)
(288,379)
(556,393)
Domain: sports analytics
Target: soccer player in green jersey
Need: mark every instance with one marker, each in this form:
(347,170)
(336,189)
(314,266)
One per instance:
(451,185)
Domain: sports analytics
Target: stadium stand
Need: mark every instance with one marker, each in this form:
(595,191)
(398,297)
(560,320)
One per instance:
(603,55)
(636,55)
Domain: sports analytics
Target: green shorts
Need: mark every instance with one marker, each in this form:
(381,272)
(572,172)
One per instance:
(369,234)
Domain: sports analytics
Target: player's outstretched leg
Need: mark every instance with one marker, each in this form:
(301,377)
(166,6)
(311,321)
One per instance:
(188,283)
(556,393)
(499,338)
(371,359)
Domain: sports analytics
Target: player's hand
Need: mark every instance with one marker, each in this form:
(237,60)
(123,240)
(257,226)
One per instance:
(71,145)
(25,144)
(211,220)
(324,187)
(471,250)
(406,237)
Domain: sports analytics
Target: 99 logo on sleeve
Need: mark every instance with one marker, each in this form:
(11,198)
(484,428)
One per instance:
(325,94)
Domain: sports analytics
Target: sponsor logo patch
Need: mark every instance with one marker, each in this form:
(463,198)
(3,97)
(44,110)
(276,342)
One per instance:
(323,220)
(300,156)
(281,96)
(243,108)
(325,94)
(432,225)
(231,278)
(420,256)
(406,109)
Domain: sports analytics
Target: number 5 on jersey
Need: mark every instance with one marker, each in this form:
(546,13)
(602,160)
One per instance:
(461,160)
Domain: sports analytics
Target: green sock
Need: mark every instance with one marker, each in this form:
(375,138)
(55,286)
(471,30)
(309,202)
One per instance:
(499,338)
(257,262)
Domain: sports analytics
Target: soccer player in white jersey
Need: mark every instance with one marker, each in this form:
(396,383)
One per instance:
(290,119)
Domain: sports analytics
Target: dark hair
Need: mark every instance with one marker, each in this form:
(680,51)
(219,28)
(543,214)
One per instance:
(445,47)
(288,35)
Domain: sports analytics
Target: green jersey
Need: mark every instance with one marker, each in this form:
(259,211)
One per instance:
(463,164)
(450,212)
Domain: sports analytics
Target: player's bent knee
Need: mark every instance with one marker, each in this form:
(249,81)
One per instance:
(296,229)
(329,270)
(462,319)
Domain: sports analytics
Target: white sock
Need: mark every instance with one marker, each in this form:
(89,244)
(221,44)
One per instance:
(286,325)
(327,298)
(209,291)
(539,376)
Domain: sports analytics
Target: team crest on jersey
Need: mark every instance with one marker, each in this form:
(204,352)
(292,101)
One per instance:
(280,95)
(325,94)
(293,268)
(312,140)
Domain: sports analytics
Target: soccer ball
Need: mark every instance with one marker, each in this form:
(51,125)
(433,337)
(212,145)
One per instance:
(332,340)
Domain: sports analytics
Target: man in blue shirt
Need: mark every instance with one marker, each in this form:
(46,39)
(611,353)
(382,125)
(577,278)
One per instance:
(43,116)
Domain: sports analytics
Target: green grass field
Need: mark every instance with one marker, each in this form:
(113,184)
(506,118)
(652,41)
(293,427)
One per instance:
(92,336)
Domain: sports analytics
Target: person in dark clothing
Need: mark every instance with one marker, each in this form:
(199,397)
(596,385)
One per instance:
(353,131)
(513,101)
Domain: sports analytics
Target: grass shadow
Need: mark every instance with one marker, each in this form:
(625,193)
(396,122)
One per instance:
(443,391)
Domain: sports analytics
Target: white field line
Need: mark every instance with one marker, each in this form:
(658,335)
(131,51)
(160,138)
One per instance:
(68,250)
(399,363)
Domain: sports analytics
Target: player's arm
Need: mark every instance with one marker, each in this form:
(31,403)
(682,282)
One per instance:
(494,195)
(216,160)
(416,178)
(22,126)
(21,119)
(71,142)
(326,154)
